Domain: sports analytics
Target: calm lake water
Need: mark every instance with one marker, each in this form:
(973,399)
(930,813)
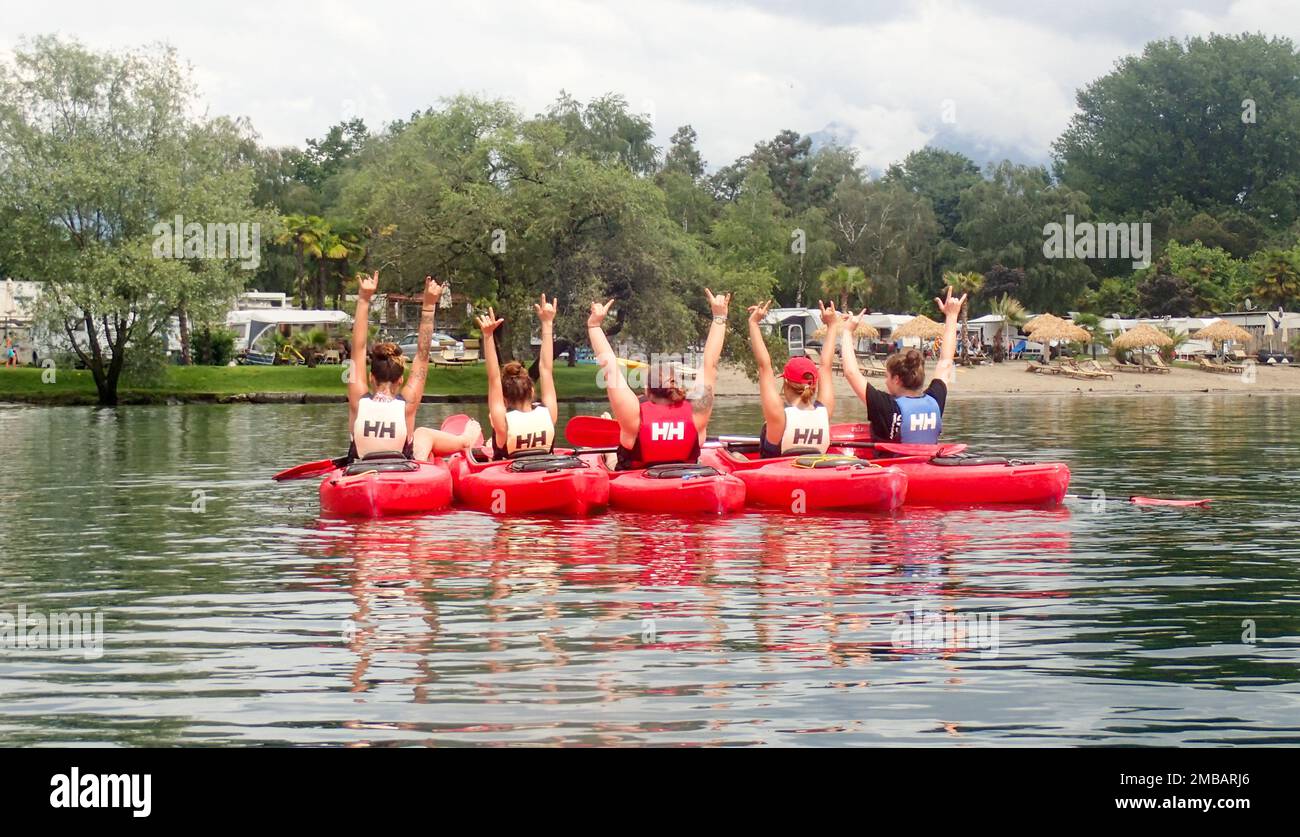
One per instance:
(232,615)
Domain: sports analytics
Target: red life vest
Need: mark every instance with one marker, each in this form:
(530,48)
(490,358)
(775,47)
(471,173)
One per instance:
(667,434)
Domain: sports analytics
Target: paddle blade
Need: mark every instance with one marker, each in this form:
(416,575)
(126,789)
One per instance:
(851,432)
(308,469)
(455,425)
(592,432)
(1159,501)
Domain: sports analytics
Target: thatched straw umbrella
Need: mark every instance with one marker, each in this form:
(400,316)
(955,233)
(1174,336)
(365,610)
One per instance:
(919,326)
(1040,320)
(863,330)
(1048,327)
(1222,331)
(1140,337)
(1061,331)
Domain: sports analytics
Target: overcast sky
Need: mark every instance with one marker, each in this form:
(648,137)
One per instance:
(885,75)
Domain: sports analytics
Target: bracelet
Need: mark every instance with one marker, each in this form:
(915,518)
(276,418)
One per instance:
(719,319)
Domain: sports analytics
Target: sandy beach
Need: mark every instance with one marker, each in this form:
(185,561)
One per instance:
(1011,379)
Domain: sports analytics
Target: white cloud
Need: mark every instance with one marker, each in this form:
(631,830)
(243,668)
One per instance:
(738,72)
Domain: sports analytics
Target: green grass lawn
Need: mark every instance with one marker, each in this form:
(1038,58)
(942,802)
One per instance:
(77,386)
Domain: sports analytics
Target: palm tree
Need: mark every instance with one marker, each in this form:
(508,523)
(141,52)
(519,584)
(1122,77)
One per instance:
(969,284)
(1091,323)
(1179,338)
(304,233)
(1277,277)
(1012,313)
(842,281)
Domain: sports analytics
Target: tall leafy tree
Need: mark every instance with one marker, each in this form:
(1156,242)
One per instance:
(939,176)
(98,148)
(1168,125)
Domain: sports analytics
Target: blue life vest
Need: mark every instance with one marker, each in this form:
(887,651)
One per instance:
(920,420)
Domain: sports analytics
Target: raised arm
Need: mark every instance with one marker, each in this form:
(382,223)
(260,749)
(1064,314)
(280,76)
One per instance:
(413,391)
(702,399)
(825,381)
(849,357)
(488,324)
(951,309)
(546,358)
(357,383)
(769,390)
(622,400)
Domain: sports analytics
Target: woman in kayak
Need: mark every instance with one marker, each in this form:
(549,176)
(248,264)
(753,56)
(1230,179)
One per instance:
(667,426)
(907,410)
(381,411)
(520,425)
(796,411)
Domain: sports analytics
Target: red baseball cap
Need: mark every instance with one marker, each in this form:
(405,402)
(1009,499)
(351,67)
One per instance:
(800,370)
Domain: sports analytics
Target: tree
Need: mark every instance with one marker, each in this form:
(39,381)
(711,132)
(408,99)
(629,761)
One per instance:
(683,156)
(1116,296)
(1163,295)
(606,130)
(1013,316)
(886,231)
(787,161)
(842,282)
(98,151)
(1209,120)
(1276,278)
(969,284)
(1000,281)
(940,177)
(1003,221)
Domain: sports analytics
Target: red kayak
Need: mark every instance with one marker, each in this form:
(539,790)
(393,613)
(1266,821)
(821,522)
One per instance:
(385,487)
(977,480)
(551,484)
(812,483)
(676,489)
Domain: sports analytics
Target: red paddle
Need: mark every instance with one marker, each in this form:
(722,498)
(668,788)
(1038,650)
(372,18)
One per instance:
(592,432)
(310,469)
(1147,501)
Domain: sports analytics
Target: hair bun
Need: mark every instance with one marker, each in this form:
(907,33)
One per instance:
(514,369)
(385,351)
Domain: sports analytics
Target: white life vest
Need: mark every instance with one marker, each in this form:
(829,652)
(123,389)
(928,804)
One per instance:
(805,429)
(529,430)
(380,426)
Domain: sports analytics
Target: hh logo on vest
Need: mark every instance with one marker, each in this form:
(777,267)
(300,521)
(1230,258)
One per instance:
(808,436)
(531,440)
(923,421)
(379,429)
(667,431)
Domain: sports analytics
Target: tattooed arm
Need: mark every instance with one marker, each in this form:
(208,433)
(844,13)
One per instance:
(414,389)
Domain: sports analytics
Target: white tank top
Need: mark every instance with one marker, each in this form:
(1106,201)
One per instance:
(380,426)
(529,430)
(806,429)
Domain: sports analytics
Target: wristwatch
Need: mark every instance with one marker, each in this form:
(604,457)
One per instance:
(719,319)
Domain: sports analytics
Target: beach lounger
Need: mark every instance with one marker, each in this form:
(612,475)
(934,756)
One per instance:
(1149,365)
(1209,366)
(1046,368)
(1082,370)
